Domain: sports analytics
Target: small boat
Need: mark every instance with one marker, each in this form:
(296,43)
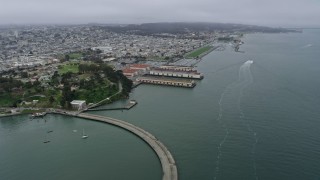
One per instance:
(50,131)
(35,115)
(84,136)
(46,140)
(249,61)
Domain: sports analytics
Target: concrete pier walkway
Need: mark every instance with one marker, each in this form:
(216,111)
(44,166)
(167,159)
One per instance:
(167,162)
(128,106)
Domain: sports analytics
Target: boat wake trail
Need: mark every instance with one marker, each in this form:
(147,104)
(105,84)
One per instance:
(245,78)
(232,97)
(225,127)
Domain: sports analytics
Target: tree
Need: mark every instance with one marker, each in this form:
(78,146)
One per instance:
(93,68)
(98,51)
(55,74)
(126,83)
(24,74)
(66,77)
(98,77)
(15,104)
(67,96)
(56,78)
(36,83)
(62,102)
(51,99)
(82,84)
(67,57)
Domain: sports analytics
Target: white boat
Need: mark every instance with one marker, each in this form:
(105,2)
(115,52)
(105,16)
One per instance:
(84,136)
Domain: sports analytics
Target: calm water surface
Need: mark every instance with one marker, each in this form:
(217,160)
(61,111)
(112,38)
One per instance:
(244,120)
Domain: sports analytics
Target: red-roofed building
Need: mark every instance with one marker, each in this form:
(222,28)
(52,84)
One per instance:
(143,67)
(130,72)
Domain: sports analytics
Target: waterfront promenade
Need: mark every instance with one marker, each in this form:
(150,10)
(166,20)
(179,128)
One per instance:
(169,167)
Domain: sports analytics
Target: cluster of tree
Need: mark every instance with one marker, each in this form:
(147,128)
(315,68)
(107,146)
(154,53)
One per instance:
(95,81)
(24,74)
(87,55)
(110,73)
(29,84)
(56,78)
(103,68)
(92,55)
(66,57)
(93,58)
(93,85)
(88,68)
(67,96)
(113,76)
(66,78)
(126,83)
(7,84)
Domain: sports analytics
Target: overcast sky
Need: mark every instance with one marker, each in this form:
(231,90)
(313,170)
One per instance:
(257,12)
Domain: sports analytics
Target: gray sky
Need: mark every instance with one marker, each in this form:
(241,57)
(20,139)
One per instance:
(257,12)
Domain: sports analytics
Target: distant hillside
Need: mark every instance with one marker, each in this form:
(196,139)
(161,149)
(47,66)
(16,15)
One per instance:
(184,27)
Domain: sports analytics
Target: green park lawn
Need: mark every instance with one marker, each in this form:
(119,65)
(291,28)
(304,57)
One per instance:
(6,100)
(198,52)
(69,68)
(75,55)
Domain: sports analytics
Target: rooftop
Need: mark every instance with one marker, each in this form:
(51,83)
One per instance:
(129,70)
(78,102)
(139,66)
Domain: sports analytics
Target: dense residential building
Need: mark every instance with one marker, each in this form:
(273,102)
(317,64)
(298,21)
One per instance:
(39,45)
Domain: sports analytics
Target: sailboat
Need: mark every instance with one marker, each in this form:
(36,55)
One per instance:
(84,136)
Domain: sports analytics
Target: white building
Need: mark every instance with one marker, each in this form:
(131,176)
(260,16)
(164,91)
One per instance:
(78,104)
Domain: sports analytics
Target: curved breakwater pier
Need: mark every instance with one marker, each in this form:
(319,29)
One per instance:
(169,167)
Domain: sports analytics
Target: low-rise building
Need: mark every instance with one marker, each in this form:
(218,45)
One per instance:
(142,67)
(176,73)
(130,72)
(78,104)
(177,68)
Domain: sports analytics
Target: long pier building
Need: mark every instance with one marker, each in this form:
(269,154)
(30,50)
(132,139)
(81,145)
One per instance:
(167,81)
(191,74)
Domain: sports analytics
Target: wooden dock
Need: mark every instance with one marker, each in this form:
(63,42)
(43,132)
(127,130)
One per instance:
(169,167)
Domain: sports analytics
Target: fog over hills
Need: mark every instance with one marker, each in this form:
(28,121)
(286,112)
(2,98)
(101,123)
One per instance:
(273,13)
(183,27)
